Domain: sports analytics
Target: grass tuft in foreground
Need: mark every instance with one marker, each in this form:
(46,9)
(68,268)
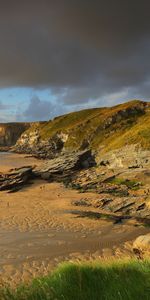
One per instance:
(123,280)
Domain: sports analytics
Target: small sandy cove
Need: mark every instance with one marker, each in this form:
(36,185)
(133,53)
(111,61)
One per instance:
(40,227)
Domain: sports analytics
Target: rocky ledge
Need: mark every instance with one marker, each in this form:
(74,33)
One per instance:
(16,179)
(63,167)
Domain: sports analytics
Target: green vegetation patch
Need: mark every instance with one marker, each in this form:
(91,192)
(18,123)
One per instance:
(120,280)
(131,184)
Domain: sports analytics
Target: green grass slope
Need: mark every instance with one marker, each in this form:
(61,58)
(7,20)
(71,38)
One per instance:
(102,128)
(123,280)
(139,133)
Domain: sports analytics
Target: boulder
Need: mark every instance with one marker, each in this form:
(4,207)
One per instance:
(142,242)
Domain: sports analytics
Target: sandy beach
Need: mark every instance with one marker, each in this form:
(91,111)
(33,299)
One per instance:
(40,227)
(10,160)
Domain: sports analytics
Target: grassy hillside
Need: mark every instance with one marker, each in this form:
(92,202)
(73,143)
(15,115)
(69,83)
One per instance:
(139,133)
(102,128)
(123,280)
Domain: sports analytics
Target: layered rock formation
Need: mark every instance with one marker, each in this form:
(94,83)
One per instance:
(15,179)
(65,165)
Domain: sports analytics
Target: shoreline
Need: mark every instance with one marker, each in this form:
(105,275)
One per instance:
(16,160)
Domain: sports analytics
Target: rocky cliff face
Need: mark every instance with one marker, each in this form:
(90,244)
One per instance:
(31,142)
(130,156)
(11,132)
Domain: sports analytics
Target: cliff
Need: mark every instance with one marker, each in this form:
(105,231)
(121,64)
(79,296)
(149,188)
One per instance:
(11,132)
(99,129)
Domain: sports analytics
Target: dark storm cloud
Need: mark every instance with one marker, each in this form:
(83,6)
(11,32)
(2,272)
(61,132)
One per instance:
(85,48)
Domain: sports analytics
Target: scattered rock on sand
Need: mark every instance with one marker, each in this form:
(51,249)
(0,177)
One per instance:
(142,242)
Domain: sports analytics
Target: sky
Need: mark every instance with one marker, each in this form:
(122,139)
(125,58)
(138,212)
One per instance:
(58,56)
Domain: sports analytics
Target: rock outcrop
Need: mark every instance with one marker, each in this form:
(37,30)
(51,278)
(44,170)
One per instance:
(31,142)
(65,165)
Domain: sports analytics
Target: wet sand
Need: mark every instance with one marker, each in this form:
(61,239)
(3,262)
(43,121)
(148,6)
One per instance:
(10,160)
(38,229)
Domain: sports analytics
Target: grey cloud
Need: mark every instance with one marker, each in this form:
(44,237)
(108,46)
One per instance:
(83,50)
(38,110)
(6,115)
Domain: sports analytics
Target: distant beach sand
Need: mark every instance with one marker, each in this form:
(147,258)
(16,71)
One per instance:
(12,160)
